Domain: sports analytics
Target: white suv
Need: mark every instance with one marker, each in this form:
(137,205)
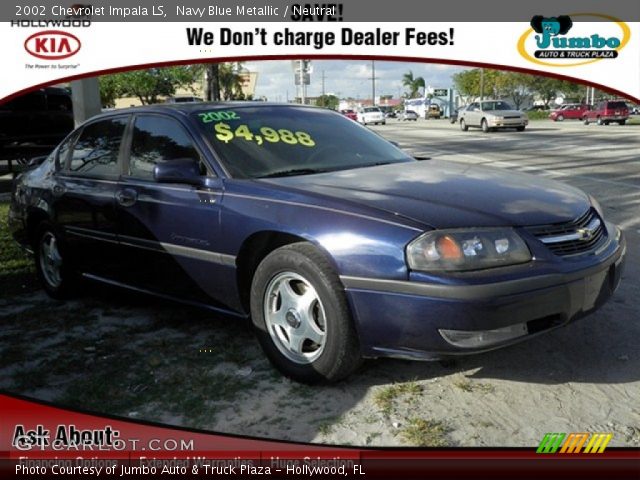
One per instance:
(371,115)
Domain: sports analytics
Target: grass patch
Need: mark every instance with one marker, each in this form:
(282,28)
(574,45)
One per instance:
(421,432)
(17,273)
(385,397)
(467,385)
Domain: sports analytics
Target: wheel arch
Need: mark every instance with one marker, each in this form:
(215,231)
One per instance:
(35,216)
(256,247)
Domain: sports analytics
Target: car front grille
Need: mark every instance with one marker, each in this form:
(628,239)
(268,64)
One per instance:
(512,117)
(583,235)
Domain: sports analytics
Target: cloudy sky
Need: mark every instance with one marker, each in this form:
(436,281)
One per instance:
(345,78)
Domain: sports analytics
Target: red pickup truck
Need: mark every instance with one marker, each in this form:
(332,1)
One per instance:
(606,112)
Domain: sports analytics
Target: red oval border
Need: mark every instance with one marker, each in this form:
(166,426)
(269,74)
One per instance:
(50,32)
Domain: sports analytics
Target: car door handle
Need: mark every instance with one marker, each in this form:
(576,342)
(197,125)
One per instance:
(127,197)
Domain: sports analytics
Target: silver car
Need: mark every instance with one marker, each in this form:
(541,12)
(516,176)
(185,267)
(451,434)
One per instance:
(491,115)
(408,115)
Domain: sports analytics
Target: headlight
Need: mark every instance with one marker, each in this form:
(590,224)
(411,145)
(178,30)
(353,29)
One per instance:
(471,249)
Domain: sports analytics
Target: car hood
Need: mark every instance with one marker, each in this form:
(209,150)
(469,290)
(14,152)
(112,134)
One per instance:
(444,194)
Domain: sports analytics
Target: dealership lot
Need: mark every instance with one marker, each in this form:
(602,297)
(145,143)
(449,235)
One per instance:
(117,354)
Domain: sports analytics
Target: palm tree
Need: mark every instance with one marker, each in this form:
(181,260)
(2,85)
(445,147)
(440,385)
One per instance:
(414,84)
(230,80)
(224,81)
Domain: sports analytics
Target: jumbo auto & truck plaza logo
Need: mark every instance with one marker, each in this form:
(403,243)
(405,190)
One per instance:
(562,41)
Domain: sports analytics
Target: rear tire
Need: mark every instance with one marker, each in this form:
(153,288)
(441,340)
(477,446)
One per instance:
(520,129)
(53,267)
(622,122)
(598,121)
(585,120)
(314,340)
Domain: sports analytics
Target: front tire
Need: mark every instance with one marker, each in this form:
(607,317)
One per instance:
(622,122)
(560,118)
(585,121)
(52,263)
(463,125)
(485,126)
(301,316)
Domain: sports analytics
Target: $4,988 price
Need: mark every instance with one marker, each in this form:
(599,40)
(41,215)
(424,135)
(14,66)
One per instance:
(225,134)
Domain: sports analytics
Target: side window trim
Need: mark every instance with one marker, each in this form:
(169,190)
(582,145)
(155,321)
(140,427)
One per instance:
(128,138)
(67,168)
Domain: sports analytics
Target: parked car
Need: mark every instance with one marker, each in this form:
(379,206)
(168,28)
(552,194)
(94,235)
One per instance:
(35,122)
(492,115)
(183,99)
(433,111)
(368,115)
(538,108)
(605,112)
(335,243)
(408,115)
(350,114)
(453,118)
(570,111)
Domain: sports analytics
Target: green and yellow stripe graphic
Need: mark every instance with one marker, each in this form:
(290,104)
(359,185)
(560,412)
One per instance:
(573,442)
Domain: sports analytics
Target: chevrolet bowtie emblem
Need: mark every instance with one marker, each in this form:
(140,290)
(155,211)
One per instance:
(585,233)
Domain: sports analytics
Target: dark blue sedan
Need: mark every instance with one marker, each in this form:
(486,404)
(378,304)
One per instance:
(337,244)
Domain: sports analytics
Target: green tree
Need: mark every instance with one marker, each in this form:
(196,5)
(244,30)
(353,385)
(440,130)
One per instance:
(514,86)
(545,89)
(328,101)
(150,84)
(111,88)
(414,84)
(469,83)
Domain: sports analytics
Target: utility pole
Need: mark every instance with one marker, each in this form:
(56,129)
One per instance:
(323,83)
(481,84)
(373,82)
(302,86)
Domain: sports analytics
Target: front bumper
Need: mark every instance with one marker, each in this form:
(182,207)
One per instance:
(405,318)
(507,122)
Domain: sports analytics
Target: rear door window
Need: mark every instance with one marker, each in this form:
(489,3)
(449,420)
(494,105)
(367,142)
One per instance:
(97,150)
(617,105)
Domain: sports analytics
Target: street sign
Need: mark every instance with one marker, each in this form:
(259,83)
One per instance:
(306,78)
(440,92)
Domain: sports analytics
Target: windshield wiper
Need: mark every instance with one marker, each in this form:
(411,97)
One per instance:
(292,172)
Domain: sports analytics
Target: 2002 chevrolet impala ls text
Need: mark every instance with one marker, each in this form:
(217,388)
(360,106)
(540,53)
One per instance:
(337,244)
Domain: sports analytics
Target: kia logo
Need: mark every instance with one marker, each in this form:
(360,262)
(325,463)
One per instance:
(52,45)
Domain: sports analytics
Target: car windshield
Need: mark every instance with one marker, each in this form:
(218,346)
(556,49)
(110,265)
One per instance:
(487,106)
(272,141)
(371,109)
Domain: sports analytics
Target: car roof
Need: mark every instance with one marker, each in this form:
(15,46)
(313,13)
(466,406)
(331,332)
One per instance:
(186,109)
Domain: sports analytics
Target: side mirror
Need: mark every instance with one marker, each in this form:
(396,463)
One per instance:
(180,170)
